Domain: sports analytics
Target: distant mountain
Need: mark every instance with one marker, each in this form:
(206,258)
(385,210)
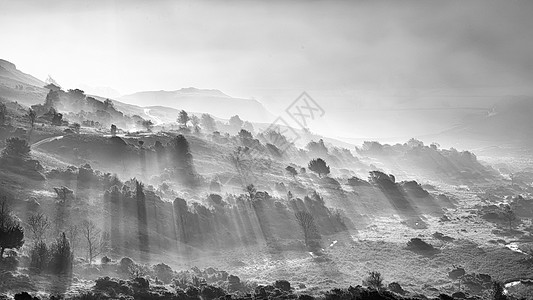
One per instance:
(214,102)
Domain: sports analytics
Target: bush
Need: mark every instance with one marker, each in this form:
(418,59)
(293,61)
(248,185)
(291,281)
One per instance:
(209,292)
(163,272)
(125,264)
(283,285)
(374,280)
(416,244)
(24,296)
(105,260)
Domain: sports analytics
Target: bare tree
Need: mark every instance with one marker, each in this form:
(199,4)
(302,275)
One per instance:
(307,223)
(38,224)
(96,241)
(509,215)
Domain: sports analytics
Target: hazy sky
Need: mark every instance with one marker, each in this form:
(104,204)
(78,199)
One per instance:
(272,50)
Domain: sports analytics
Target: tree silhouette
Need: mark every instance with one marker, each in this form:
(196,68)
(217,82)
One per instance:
(95,241)
(208,123)
(183,118)
(113,129)
(291,170)
(509,215)
(38,224)
(308,226)
(62,255)
(16,148)
(32,115)
(11,233)
(319,166)
(3,113)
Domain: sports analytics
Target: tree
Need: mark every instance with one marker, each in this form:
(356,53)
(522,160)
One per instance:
(113,129)
(245,135)
(251,191)
(95,242)
(235,122)
(509,215)
(374,280)
(317,148)
(11,233)
(183,118)
(319,166)
(308,226)
(291,170)
(39,256)
(57,119)
(183,160)
(16,148)
(61,255)
(195,121)
(147,124)
(208,123)
(38,224)
(32,115)
(3,113)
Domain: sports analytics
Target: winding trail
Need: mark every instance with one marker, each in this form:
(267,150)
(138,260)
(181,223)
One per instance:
(47,140)
(156,120)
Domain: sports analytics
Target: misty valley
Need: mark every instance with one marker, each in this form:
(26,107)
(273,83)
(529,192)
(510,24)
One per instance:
(106,200)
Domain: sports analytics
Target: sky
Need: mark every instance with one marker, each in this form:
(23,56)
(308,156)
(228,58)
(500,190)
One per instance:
(346,54)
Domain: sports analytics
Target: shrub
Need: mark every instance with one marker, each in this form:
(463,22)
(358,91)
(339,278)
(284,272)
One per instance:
(137,271)
(283,285)
(105,260)
(319,166)
(125,264)
(374,280)
(11,233)
(416,244)
(209,292)
(163,272)
(24,296)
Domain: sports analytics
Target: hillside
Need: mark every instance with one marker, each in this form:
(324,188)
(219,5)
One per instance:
(215,195)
